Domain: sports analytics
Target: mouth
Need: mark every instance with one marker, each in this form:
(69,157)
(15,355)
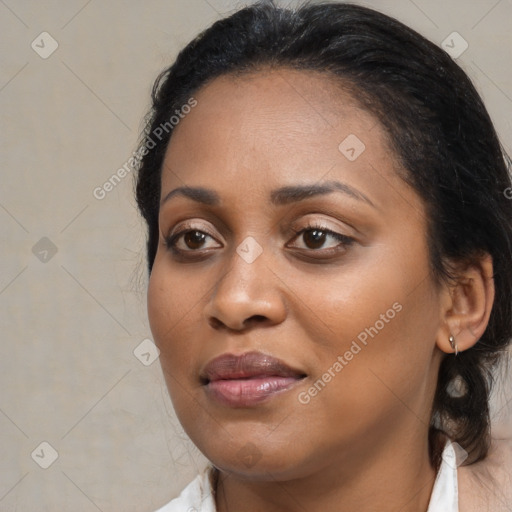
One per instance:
(248,379)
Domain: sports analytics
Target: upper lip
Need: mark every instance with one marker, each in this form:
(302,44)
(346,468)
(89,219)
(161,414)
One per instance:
(247,365)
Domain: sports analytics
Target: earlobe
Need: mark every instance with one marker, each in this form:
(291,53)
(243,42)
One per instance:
(468,306)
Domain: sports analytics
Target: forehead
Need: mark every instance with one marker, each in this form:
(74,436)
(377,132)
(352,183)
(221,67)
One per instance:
(271,127)
(276,100)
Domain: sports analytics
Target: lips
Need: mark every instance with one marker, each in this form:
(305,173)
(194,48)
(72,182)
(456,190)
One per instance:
(248,379)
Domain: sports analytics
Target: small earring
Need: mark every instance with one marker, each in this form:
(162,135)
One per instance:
(453,343)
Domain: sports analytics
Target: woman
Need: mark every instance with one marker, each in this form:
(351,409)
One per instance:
(329,239)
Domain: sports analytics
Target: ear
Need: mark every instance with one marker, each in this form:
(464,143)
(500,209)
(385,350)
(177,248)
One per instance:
(466,305)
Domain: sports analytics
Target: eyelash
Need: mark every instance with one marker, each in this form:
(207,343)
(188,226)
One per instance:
(345,241)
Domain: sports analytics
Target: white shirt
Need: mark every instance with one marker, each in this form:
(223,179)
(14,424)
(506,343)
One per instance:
(198,495)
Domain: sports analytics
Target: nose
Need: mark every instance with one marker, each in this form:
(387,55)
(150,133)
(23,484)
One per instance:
(246,295)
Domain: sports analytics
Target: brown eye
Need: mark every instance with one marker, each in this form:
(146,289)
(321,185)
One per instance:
(188,240)
(194,239)
(314,239)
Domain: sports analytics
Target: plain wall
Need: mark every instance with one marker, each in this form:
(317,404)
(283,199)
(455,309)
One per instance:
(71,319)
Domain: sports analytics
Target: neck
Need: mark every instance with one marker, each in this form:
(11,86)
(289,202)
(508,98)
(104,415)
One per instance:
(394,477)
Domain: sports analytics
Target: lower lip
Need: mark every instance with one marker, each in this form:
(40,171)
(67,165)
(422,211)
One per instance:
(248,392)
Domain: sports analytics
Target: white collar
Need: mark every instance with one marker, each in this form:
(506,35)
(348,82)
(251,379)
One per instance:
(445,494)
(198,495)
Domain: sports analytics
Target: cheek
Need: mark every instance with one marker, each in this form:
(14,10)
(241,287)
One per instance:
(172,310)
(372,376)
(381,318)
(385,298)
(171,306)
(394,371)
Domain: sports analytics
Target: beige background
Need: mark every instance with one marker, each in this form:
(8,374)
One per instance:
(71,320)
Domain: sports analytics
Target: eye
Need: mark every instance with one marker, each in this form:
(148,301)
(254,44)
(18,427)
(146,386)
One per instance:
(188,240)
(316,236)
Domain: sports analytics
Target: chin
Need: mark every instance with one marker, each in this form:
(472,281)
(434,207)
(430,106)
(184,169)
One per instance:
(255,458)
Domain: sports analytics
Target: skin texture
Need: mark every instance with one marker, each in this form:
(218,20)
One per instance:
(361,440)
(487,485)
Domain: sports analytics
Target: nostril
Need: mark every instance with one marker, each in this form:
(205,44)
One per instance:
(257,318)
(215,322)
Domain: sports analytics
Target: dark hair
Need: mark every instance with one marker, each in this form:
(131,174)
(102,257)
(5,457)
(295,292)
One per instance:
(438,127)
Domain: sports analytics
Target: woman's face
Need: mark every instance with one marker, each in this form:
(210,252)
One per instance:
(293,304)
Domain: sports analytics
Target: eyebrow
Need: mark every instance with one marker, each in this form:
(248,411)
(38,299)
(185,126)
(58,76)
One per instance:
(278,197)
